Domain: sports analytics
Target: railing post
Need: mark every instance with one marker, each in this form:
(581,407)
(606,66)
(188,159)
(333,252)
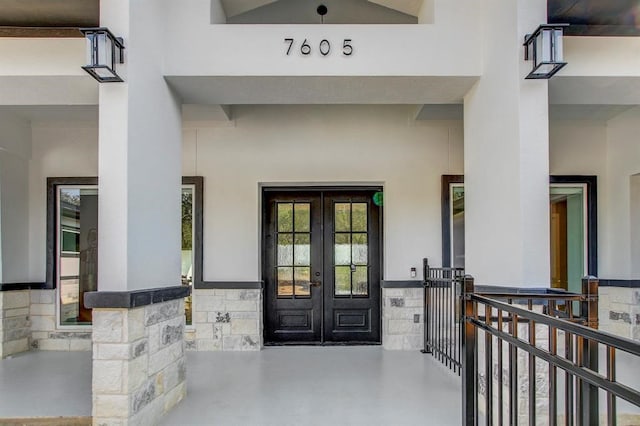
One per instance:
(469,354)
(589,312)
(427,306)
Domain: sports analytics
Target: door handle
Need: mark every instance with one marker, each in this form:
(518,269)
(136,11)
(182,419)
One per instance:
(315,283)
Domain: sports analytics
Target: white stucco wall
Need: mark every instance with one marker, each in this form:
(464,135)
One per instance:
(623,161)
(58,150)
(15,148)
(274,145)
(378,145)
(611,150)
(321,145)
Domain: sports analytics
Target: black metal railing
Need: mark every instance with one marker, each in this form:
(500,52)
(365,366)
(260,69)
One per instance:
(443,314)
(531,357)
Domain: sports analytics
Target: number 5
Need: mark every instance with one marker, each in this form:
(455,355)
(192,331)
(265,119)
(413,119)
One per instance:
(347,49)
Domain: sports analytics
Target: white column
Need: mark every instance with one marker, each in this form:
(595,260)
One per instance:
(506,152)
(139,157)
(15,151)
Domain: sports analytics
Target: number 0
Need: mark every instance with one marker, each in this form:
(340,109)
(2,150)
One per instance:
(325,47)
(347,49)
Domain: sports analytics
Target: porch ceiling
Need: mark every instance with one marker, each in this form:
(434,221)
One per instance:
(321,90)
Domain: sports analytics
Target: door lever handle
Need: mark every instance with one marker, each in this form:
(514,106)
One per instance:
(315,283)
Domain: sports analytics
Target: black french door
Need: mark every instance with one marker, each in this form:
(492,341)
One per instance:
(321,266)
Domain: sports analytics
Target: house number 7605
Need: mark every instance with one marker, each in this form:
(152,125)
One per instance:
(324,47)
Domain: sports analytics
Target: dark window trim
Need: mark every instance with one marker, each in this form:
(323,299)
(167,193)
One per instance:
(592,215)
(52,237)
(198,184)
(445,204)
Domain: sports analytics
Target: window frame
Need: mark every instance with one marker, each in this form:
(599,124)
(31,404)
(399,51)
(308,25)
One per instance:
(591,194)
(53,237)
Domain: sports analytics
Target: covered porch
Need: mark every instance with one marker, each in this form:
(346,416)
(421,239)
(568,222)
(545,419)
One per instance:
(279,385)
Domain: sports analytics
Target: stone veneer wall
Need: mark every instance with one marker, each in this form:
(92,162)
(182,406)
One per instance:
(14,322)
(619,311)
(45,334)
(401,307)
(139,366)
(226,320)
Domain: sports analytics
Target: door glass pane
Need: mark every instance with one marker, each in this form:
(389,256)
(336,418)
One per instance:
(77,251)
(359,254)
(342,249)
(302,252)
(285,249)
(285,217)
(360,281)
(285,281)
(343,280)
(359,220)
(302,276)
(567,214)
(343,217)
(302,217)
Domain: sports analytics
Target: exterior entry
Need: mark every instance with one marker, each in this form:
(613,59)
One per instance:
(321,266)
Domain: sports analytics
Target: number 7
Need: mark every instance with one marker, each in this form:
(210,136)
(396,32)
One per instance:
(290,40)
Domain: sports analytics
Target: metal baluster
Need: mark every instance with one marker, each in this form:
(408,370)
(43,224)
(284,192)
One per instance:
(469,367)
(489,367)
(532,369)
(579,390)
(425,311)
(568,380)
(500,370)
(553,391)
(611,376)
(513,371)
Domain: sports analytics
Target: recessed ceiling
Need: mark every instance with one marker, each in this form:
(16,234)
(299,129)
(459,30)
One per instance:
(305,12)
(596,17)
(587,17)
(25,18)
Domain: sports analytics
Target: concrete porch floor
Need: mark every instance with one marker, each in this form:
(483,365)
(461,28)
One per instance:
(276,386)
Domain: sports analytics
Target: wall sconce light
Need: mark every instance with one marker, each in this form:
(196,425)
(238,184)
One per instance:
(104,50)
(544,47)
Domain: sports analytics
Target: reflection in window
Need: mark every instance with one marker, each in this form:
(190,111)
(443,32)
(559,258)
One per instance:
(351,249)
(293,251)
(77,253)
(457,226)
(187,248)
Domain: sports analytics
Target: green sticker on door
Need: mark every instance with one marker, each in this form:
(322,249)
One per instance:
(378,198)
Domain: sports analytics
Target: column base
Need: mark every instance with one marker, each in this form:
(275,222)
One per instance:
(15,327)
(402,318)
(139,364)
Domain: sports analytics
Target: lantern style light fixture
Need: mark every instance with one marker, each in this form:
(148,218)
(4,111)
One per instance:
(544,47)
(104,50)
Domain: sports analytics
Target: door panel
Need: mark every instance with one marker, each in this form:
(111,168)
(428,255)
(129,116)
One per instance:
(293,267)
(321,266)
(352,267)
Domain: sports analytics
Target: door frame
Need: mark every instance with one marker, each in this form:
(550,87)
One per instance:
(274,187)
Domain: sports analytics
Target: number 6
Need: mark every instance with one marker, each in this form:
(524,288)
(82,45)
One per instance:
(305,49)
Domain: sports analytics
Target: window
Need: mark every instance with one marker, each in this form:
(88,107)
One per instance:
(72,243)
(76,251)
(573,218)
